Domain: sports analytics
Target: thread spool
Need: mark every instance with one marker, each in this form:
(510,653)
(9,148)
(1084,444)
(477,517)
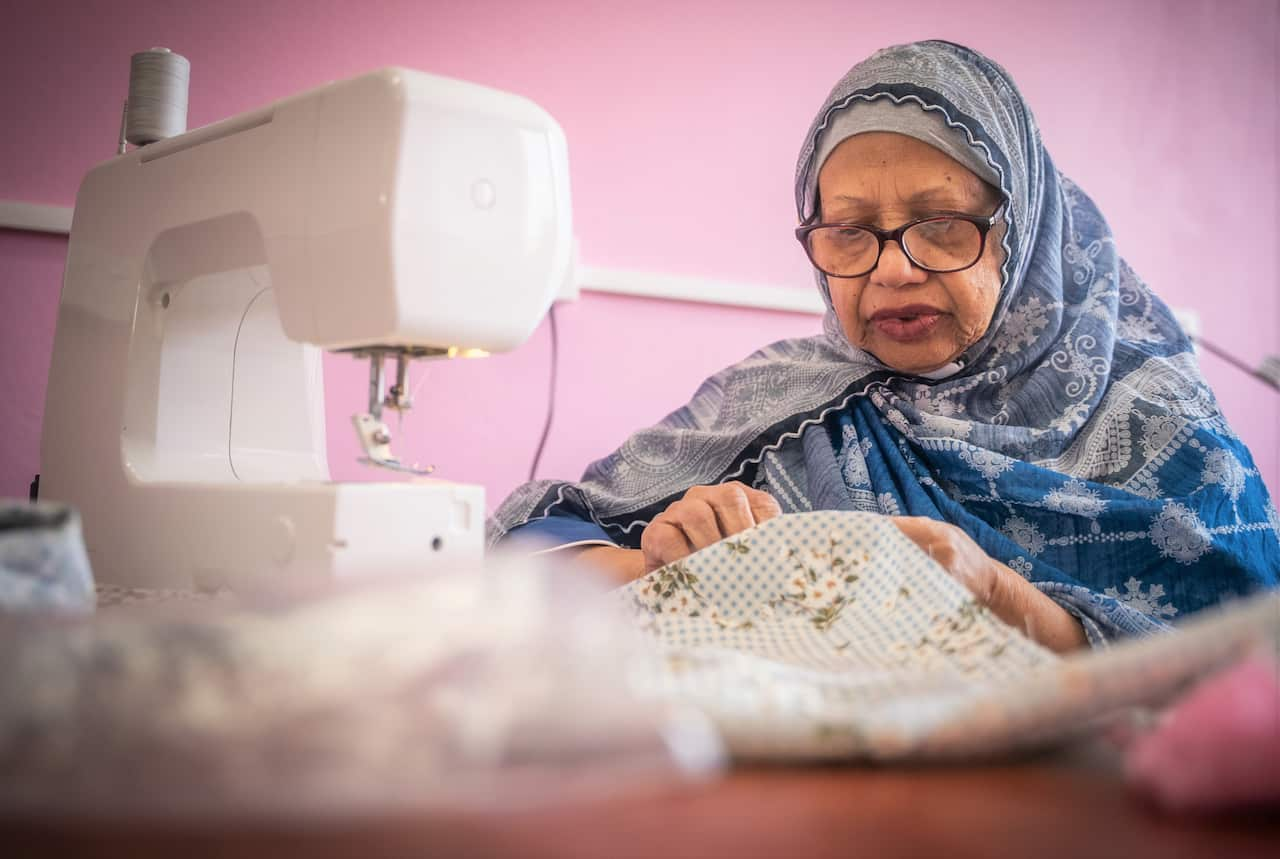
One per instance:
(157,107)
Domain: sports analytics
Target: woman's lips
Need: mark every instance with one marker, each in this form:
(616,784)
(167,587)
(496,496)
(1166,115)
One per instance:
(904,324)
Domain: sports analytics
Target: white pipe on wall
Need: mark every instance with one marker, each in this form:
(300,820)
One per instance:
(679,288)
(37,217)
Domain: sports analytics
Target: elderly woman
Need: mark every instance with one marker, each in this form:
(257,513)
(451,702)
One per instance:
(991,374)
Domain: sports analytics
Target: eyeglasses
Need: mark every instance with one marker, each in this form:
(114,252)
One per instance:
(939,243)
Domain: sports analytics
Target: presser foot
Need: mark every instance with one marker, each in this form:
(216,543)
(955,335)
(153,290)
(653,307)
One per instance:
(375,439)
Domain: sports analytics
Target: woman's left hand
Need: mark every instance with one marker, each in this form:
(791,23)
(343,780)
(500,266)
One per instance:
(956,552)
(1008,595)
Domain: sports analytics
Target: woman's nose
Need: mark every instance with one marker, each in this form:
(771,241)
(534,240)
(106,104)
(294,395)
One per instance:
(894,268)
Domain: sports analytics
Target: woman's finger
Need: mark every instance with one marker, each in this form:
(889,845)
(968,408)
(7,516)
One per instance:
(662,542)
(732,509)
(918,529)
(763,505)
(698,521)
(954,551)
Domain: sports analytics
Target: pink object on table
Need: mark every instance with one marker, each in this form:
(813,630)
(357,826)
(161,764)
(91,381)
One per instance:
(1218,746)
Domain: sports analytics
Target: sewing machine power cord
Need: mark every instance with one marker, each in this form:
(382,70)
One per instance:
(551,393)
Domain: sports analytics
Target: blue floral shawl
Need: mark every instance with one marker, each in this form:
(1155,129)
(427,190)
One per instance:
(1079,444)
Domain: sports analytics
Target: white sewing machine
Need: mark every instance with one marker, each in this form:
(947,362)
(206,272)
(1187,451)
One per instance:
(394,215)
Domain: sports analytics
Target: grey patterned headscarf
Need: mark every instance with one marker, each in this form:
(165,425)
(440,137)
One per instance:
(904,117)
(760,407)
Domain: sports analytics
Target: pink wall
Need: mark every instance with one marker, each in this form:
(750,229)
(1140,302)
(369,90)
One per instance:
(677,112)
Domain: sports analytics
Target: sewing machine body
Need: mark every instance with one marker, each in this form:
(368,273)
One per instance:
(185,408)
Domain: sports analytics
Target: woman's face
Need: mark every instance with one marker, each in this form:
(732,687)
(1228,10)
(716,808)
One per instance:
(912,320)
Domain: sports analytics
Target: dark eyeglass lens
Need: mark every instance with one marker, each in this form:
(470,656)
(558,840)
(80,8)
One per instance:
(944,244)
(842,250)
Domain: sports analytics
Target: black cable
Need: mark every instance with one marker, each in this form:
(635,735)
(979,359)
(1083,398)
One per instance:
(551,393)
(1257,373)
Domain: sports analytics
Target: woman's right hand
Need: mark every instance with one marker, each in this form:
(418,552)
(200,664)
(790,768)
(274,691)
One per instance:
(704,515)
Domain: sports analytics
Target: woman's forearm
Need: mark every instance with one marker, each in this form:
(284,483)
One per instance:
(618,564)
(1023,606)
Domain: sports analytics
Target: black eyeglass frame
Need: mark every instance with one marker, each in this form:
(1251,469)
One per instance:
(984,225)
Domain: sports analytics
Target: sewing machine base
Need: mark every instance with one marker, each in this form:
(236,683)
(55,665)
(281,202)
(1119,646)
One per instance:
(251,537)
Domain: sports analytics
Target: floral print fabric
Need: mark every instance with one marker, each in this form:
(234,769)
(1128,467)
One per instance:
(830,635)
